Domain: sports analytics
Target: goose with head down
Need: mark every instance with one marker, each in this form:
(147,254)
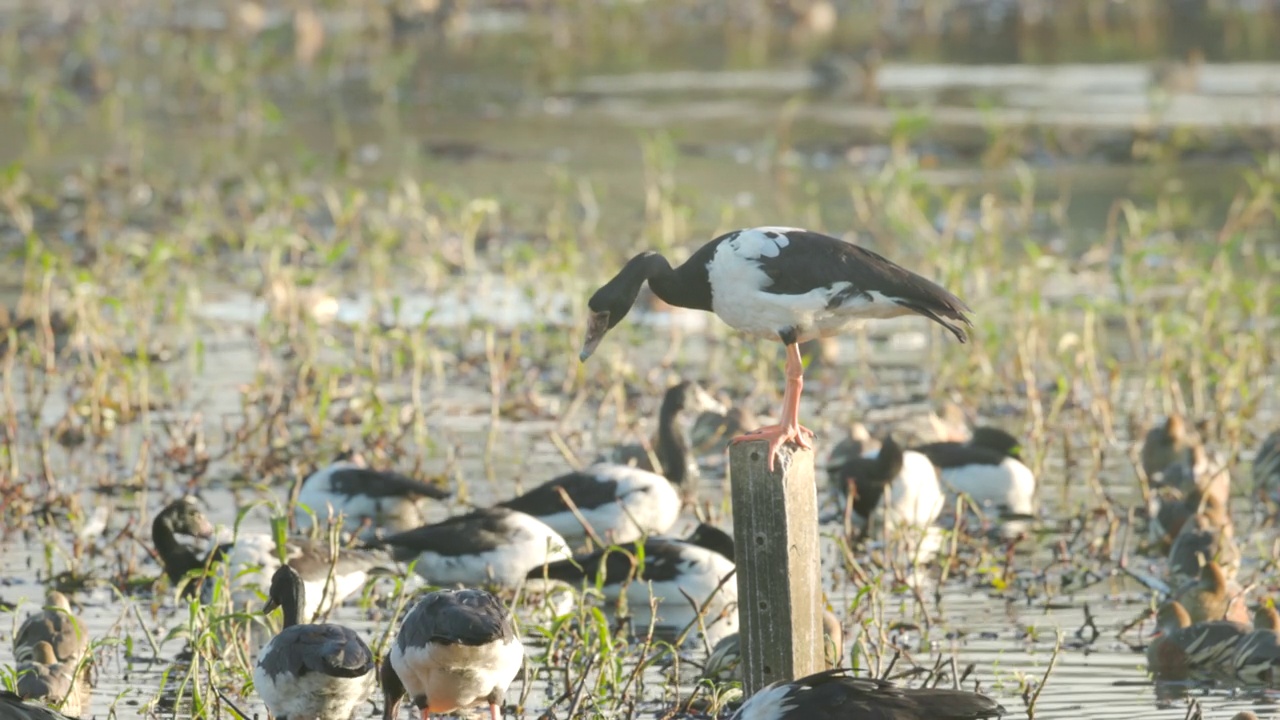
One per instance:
(455,649)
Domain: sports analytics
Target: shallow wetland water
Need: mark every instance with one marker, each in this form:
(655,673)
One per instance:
(273,240)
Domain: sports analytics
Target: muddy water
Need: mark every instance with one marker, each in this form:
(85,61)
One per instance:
(483,134)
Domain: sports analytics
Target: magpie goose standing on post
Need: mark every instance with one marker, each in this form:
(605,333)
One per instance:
(781,284)
(368,500)
(455,649)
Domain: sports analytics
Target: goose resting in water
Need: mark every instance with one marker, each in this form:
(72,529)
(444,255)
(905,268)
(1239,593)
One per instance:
(841,695)
(781,284)
(369,501)
(489,546)
(619,502)
(681,575)
(988,468)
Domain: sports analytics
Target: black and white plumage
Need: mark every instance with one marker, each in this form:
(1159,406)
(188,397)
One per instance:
(902,483)
(368,500)
(456,649)
(678,573)
(310,672)
(250,560)
(675,462)
(988,468)
(490,546)
(780,284)
(841,695)
(13,708)
(621,503)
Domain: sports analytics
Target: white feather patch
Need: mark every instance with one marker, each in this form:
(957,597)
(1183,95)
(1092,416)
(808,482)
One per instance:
(455,677)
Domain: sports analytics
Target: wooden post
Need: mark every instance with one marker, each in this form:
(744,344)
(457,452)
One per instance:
(775,528)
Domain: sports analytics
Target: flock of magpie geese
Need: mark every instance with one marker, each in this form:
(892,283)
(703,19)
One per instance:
(459,648)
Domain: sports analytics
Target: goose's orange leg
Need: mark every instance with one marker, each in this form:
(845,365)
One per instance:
(788,429)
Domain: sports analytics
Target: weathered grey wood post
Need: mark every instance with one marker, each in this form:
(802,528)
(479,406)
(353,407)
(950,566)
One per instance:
(775,528)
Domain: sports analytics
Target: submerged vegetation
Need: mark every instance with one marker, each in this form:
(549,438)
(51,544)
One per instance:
(237,241)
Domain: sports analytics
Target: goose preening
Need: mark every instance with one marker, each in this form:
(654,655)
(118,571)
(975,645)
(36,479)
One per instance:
(841,695)
(489,546)
(781,284)
(619,502)
(988,468)
(13,708)
(321,671)
(670,449)
(251,559)
(902,483)
(681,575)
(1180,649)
(368,500)
(456,649)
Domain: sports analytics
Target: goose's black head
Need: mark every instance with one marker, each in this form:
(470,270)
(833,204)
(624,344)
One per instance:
(615,298)
(993,438)
(712,538)
(286,590)
(182,517)
(868,477)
